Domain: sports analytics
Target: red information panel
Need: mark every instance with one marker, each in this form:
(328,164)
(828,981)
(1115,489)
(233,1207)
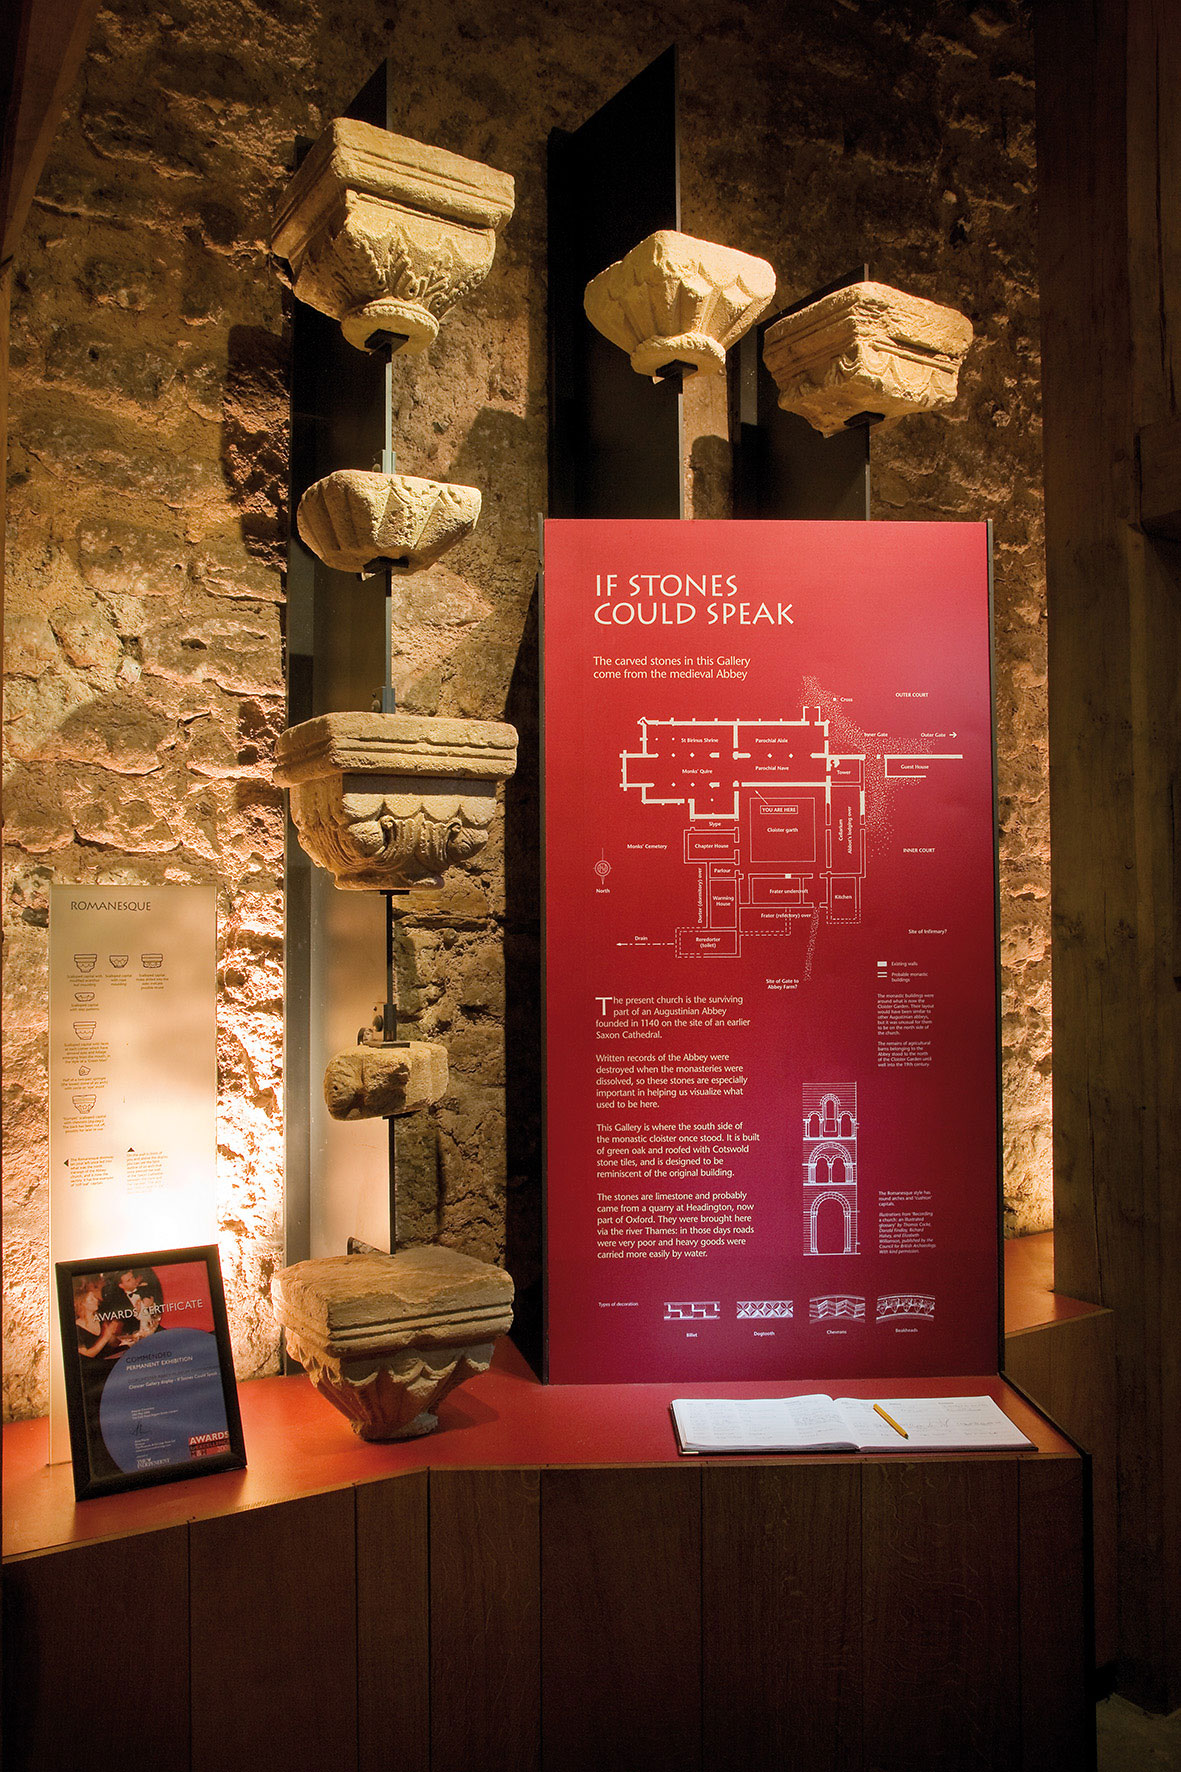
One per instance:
(771,966)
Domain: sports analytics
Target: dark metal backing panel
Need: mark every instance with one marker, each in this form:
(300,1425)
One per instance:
(615,436)
(336,650)
(782,467)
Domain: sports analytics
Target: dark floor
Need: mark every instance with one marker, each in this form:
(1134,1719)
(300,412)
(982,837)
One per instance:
(1133,1740)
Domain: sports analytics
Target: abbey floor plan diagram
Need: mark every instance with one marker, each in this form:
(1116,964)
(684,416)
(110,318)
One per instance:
(775,820)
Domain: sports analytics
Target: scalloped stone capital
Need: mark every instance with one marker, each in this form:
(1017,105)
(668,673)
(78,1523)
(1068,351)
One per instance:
(386,234)
(356,521)
(866,348)
(389,801)
(385,1337)
(381,1082)
(676,299)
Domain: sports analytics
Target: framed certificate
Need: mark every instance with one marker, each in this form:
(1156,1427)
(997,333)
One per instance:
(149,1370)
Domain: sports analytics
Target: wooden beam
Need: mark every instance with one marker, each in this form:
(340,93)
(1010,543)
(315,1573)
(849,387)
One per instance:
(782,1661)
(1068,1368)
(941,1575)
(394,1623)
(47,46)
(1053,1658)
(1110,245)
(1159,454)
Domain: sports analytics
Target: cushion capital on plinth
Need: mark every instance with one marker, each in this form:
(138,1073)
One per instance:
(389,801)
(864,349)
(673,298)
(386,234)
(385,1337)
(357,521)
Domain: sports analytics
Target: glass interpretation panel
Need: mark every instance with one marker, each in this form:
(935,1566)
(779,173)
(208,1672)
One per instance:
(132,1076)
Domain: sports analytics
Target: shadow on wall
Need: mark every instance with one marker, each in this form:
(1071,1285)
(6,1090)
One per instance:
(254,438)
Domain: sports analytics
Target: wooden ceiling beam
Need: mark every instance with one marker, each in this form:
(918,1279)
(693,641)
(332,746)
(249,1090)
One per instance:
(47,40)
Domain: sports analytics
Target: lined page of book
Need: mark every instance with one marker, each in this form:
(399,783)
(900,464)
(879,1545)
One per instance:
(845,1424)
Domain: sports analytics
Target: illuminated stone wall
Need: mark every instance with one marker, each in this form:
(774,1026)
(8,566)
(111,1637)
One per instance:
(147,471)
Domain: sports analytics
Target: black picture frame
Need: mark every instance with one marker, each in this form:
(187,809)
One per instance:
(150,1400)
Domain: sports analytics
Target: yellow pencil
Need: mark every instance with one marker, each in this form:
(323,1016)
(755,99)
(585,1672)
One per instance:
(878,1410)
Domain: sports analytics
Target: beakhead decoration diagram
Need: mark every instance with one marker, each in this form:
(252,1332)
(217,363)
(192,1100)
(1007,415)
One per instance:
(917,1305)
(385,235)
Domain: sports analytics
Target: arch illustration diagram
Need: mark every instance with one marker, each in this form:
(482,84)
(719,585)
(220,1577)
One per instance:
(830,1162)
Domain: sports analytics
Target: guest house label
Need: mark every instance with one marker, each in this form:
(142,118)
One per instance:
(771,965)
(132,1076)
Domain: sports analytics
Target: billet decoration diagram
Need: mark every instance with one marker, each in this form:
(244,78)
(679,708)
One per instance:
(775,820)
(830,1169)
(693,1311)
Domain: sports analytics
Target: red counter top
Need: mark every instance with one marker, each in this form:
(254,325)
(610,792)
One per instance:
(1030,1299)
(297,1444)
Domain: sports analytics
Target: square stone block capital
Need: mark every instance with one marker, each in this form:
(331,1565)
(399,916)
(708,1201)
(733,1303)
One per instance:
(425,746)
(866,348)
(385,1337)
(386,234)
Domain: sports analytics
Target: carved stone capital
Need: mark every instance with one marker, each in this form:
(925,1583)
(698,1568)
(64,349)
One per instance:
(386,234)
(385,1337)
(677,299)
(356,521)
(371,1082)
(388,801)
(866,349)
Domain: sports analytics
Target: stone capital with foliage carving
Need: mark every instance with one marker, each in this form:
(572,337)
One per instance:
(676,299)
(389,801)
(386,234)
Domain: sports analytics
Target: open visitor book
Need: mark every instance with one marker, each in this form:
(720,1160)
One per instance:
(844,1424)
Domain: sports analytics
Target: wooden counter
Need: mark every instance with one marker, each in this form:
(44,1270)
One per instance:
(545,1584)
(1061,1351)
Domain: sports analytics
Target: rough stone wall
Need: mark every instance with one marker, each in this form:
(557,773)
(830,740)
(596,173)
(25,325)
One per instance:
(147,470)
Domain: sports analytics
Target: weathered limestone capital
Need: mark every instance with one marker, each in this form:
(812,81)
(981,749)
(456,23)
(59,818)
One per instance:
(386,234)
(371,1082)
(388,801)
(357,522)
(866,349)
(385,1337)
(677,299)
